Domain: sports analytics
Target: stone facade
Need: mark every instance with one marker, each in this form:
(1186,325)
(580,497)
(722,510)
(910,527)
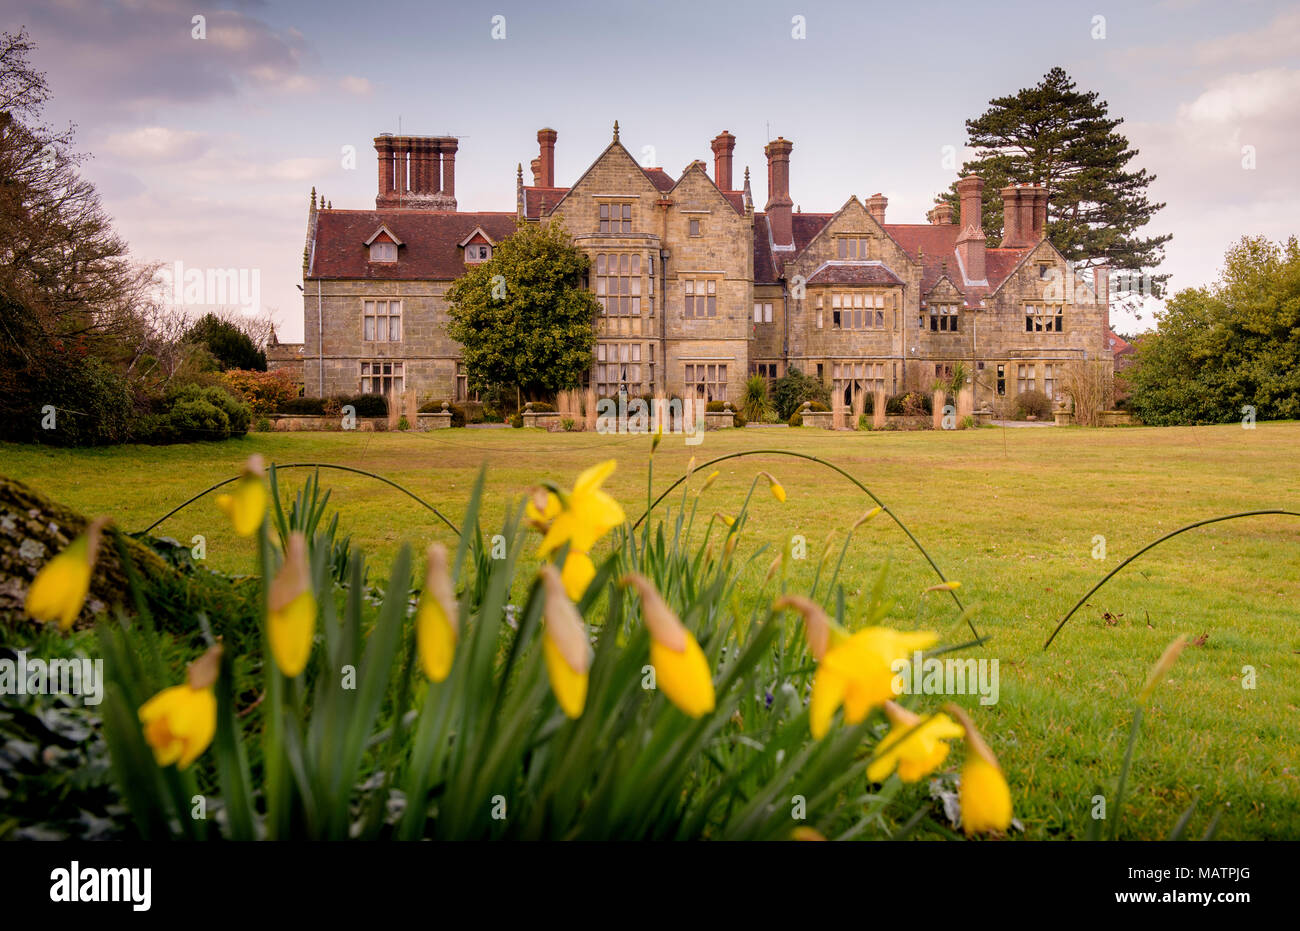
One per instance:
(699,289)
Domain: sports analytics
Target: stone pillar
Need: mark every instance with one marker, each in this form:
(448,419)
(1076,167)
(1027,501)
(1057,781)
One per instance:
(878,409)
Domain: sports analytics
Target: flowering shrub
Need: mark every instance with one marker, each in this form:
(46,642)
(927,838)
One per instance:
(265,392)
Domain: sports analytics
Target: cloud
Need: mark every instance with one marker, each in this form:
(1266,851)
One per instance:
(356,85)
(156,144)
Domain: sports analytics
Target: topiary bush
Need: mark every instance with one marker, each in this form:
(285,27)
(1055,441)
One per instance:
(796,419)
(198,412)
(302,406)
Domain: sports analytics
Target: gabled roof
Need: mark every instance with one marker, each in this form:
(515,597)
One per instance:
(736,203)
(855,273)
(431,251)
(383,228)
(660,179)
(478,231)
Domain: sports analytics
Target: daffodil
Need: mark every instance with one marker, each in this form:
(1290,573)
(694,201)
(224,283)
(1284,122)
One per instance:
(805,833)
(586,513)
(857,673)
(984,795)
(819,630)
(578,518)
(565,646)
(245,505)
(774,486)
(437,617)
(915,747)
(59,591)
(681,669)
(709,480)
(292,622)
(180,721)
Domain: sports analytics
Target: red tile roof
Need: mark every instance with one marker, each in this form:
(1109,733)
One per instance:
(660,179)
(536,197)
(430,251)
(855,274)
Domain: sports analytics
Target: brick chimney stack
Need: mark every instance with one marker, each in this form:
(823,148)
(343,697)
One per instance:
(546,142)
(970,244)
(779,203)
(1024,215)
(876,205)
(723,145)
(940,215)
(536,165)
(416,171)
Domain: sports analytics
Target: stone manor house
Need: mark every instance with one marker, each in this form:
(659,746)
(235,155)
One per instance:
(699,288)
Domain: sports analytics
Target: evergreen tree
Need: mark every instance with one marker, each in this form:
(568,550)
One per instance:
(1057,136)
(229,345)
(524,317)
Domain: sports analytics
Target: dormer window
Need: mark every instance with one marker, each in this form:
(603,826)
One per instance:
(477,253)
(383,244)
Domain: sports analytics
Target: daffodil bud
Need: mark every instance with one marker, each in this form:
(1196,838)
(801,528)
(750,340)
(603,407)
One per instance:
(565,646)
(438,617)
(59,591)
(291,625)
(777,491)
(681,669)
(246,504)
(867,516)
(1162,667)
(944,587)
(180,722)
(984,795)
(818,627)
(709,480)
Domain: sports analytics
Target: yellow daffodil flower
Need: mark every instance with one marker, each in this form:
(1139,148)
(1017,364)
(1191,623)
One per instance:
(541,508)
(565,645)
(180,721)
(246,504)
(709,480)
(586,513)
(857,674)
(777,491)
(984,795)
(437,617)
(292,622)
(820,631)
(915,747)
(59,591)
(681,669)
(867,516)
(944,587)
(578,572)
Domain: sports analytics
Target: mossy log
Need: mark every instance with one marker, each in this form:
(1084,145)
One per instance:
(33,529)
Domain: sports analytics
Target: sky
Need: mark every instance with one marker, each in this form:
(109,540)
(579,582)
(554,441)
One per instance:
(205,150)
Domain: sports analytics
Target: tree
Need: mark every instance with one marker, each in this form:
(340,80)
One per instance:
(228,343)
(524,317)
(793,388)
(69,293)
(1057,136)
(1219,352)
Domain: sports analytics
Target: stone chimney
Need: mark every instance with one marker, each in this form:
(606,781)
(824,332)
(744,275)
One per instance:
(536,165)
(1039,211)
(1011,234)
(876,205)
(416,171)
(970,243)
(778,201)
(723,145)
(546,142)
(940,215)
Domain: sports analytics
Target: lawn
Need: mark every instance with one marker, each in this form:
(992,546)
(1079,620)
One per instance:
(1013,514)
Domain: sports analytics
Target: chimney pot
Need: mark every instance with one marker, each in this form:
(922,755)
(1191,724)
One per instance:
(971,243)
(876,205)
(723,145)
(779,203)
(546,143)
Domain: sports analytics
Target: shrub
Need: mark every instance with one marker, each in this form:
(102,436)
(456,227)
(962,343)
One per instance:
(368,405)
(263,425)
(471,411)
(739,420)
(755,403)
(1032,403)
(568,424)
(432,407)
(189,416)
(457,415)
(818,407)
(790,391)
(796,419)
(92,404)
(864,421)
(403,423)
(715,407)
(302,406)
(543,407)
(967,422)
(265,392)
(911,404)
(516,420)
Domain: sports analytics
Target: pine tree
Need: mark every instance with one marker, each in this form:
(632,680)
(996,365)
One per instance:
(1055,135)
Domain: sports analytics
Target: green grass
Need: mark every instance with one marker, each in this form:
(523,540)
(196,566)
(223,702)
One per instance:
(1010,513)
